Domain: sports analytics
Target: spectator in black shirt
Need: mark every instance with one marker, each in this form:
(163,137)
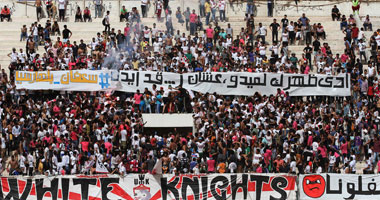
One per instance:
(373,44)
(335,14)
(66,34)
(120,39)
(285,22)
(82,47)
(274,27)
(217,30)
(307,50)
(75,49)
(270,8)
(166,4)
(316,45)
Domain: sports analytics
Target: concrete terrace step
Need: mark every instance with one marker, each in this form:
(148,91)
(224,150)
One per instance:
(11,31)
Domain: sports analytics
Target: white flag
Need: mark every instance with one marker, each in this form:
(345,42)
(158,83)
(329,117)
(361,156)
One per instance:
(100,168)
(157,169)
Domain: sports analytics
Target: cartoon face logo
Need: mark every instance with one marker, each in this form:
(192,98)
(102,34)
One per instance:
(314,186)
(142,195)
(141,192)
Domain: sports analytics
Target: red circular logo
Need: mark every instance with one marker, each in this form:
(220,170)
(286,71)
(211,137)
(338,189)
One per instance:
(314,185)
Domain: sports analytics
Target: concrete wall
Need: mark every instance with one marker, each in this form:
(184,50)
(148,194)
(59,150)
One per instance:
(311,8)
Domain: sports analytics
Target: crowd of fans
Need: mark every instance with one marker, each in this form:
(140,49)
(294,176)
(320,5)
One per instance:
(58,132)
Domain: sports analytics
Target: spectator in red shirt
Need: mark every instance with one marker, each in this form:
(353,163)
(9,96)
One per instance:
(5,14)
(193,21)
(137,98)
(370,92)
(85,144)
(74,137)
(108,146)
(86,15)
(210,32)
(355,33)
(211,165)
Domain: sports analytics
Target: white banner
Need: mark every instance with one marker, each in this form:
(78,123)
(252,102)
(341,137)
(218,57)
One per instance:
(239,83)
(150,187)
(75,80)
(339,186)
(224,83)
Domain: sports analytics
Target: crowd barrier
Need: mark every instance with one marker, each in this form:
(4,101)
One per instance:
(224,83)
(192,187)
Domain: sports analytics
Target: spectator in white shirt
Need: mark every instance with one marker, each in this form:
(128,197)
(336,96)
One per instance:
(362,48)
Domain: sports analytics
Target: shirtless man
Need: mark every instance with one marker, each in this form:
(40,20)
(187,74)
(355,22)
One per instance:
(38,5)
(169,43)
(14,164)
(165,163)
(30,45)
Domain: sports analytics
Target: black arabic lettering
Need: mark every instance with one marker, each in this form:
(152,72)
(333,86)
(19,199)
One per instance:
(330,191)
(245,82)
(181,80)
(253,81)
(371,188)
(234,80)
(193,79)
(257,81)
(275,82)
(217,78)
(340,83)
(328,80)
(289,80)
(158,78)
(207,77)
(130,78)
(314,84)
(297,81)
(351,190)
(149,76)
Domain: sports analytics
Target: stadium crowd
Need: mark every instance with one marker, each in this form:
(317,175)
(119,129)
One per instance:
(58,132)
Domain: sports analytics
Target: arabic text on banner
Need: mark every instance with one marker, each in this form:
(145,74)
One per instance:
(339,186)
(73,80)
(239,83)
(223,83)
